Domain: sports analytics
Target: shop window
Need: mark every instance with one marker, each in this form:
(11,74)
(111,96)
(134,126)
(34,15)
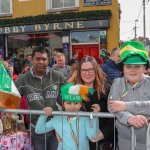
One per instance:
(22,45)
(5,8)
(85,37)
(60,5)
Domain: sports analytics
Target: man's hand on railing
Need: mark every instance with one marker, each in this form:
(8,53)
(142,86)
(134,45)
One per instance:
(138,121)
(48,111)
(100,136)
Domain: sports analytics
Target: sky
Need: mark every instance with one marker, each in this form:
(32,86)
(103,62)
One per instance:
(133,10)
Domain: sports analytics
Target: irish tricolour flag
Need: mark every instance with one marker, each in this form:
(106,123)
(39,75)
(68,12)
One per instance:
(9,95)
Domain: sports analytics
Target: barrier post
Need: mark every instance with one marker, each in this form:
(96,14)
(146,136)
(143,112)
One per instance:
(148,137)
(133,139)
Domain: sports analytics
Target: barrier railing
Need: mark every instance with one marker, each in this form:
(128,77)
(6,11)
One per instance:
(88,114)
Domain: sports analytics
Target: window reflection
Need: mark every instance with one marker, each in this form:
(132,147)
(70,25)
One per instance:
(69,3)
(63,3)
(57,3)
(85,37)
(22,45)
(4,6)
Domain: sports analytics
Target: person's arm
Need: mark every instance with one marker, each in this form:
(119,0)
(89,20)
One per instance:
(135,107)
(139,107)
(73,77)
(42,126)
(136,120)
(115,94)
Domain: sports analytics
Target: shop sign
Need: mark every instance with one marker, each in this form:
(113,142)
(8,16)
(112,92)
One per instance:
(97,2)
(66,46)
(103,34)
(56,26)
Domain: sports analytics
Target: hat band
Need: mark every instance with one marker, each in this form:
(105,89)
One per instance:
(72,98)
(133,49)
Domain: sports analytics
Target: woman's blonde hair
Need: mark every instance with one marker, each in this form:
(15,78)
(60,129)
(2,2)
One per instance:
(99,75)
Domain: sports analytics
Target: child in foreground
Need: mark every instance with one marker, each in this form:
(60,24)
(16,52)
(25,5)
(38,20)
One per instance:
(13,135)
(130,96)
(74,131)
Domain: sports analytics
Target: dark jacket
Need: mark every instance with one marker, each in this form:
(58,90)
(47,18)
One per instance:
(72,61)
(105,124)
(111,70)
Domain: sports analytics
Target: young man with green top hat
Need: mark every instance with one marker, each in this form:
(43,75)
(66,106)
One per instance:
(74,131)
(130,96)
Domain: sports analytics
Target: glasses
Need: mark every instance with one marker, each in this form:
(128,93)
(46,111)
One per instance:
(90,70)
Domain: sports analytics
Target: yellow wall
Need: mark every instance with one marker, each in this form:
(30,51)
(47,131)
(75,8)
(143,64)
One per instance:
(37,7)
(113,31)
(28,8)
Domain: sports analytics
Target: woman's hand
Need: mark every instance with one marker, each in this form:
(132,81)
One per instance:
(95,107)
(100,136)
(48,111)
(117,105)
(138,121)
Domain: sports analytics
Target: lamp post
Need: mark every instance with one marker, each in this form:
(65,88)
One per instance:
(144,26)
(135,29)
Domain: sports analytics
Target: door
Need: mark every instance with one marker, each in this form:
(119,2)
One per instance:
(91,50)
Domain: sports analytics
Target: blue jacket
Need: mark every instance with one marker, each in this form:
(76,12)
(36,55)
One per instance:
(111,69)
(63,128)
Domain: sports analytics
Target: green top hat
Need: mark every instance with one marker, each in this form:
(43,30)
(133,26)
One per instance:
(133,52)
(74,93)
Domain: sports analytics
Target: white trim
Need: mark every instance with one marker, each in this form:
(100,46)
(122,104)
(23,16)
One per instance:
(23,0)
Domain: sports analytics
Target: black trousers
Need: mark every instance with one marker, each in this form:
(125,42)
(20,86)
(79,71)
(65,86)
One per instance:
(44,141)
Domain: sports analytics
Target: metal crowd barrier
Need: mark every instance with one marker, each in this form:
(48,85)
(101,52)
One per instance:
(88,114)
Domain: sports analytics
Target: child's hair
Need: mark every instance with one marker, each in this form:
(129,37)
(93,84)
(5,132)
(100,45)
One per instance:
(11,123)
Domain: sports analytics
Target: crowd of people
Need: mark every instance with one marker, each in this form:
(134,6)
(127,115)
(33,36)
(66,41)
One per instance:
(117,82)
